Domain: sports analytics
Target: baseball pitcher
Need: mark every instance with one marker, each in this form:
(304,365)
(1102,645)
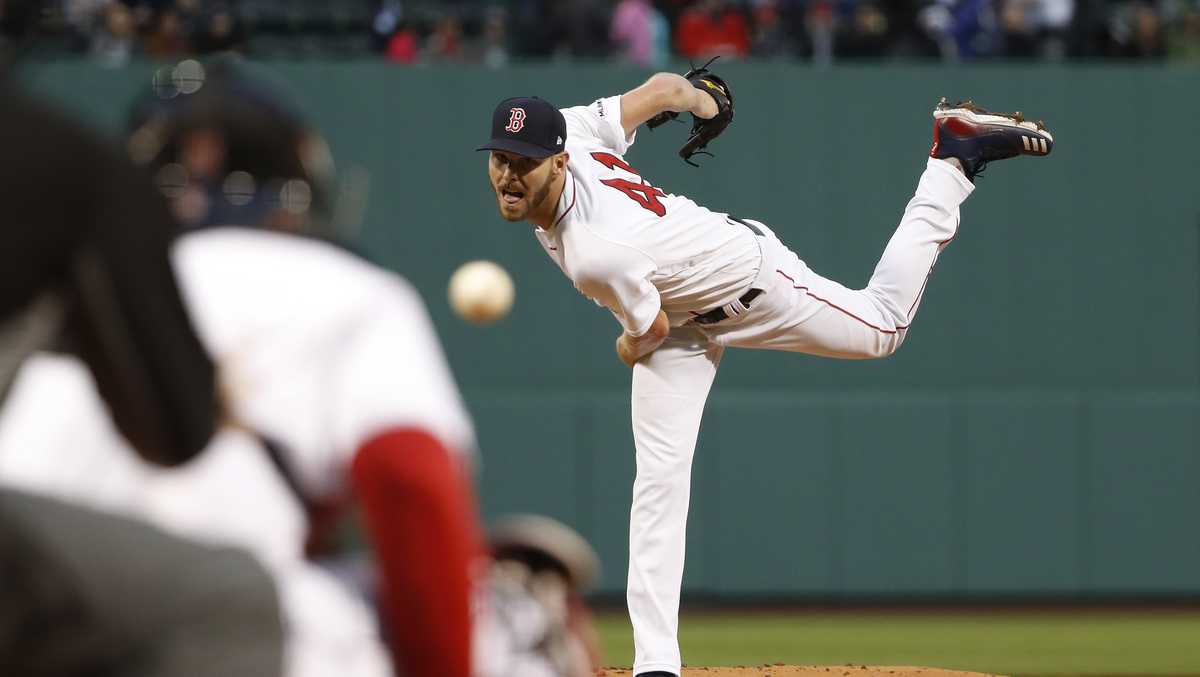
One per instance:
(685,282)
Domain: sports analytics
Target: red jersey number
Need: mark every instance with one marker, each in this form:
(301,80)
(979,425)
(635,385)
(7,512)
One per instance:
(642,193)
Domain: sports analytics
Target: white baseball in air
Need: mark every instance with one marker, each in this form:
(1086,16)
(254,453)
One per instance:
(481,292)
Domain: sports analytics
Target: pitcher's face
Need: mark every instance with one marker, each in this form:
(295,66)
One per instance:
(522,184)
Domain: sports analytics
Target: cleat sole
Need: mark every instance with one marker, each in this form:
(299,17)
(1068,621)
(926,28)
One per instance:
(972,113)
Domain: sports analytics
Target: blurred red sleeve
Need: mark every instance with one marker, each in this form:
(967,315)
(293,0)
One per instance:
(420,518)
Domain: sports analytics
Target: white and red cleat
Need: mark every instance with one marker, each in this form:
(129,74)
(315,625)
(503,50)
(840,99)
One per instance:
(975,136)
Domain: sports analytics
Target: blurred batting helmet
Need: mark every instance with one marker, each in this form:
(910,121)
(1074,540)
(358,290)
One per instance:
(229,149)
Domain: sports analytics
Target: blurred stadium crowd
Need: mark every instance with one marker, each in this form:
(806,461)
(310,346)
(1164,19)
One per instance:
(644,32)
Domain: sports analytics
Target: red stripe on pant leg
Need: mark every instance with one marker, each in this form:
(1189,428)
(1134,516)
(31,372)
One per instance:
(789,278)
(921,294)
(847,312)
(839,308)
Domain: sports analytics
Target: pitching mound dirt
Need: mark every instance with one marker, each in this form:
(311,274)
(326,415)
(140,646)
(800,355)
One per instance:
(811,671)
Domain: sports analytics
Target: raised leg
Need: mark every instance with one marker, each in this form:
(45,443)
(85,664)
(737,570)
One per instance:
(804,312)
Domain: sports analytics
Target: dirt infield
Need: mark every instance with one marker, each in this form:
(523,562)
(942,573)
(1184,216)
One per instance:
(810,671)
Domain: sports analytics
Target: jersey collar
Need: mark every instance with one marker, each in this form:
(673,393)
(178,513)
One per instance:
(562,200)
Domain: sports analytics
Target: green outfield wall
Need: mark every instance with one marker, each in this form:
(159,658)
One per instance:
(1039,433)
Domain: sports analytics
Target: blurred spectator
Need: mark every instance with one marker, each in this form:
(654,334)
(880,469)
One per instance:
(220,32)
(583,26)
(190,15)
(168,39)
(83,19)
(963,29)
(562,29)
(402,47)
(1035,28)
(1136,32)
(646,32)
(445,45)
(820,25)
(144,20)
(866,34)
(672,9)
(711,28)
(385,22)
(1018,28)
(113,44)
(908,34)
(495,38)
(534,28)
(1183,40)
(770,37)
(638,32)
(1055,18)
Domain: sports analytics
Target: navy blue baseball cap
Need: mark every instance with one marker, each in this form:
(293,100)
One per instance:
(529,126)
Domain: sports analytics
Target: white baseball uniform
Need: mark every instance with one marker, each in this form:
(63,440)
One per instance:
(635,249)
(318,350)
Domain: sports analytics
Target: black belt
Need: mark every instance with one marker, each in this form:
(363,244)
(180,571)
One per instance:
(717,314)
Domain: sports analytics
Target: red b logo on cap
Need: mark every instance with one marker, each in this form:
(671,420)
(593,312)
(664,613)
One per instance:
(516,120)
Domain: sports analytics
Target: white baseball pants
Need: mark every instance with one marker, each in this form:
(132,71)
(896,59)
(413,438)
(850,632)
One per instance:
(799,311)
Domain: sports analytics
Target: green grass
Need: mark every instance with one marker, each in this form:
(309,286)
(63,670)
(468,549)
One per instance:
(1022,643)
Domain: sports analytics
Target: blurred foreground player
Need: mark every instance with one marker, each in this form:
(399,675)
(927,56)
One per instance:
(84,264)
(337,388)
(85,254)
(333,361)
(328,363)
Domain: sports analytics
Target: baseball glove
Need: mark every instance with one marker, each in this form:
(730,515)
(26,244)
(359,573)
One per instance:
(703,131)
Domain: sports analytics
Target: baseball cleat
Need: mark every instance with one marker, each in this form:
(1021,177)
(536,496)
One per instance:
(975,136)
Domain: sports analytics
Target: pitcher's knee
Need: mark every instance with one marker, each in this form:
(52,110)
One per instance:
(890,346)
(662,471)
(663,474)
(884,345)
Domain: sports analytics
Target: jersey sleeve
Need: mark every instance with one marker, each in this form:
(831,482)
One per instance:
(599,122)
(618,277)
(320,351)
(392,373)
